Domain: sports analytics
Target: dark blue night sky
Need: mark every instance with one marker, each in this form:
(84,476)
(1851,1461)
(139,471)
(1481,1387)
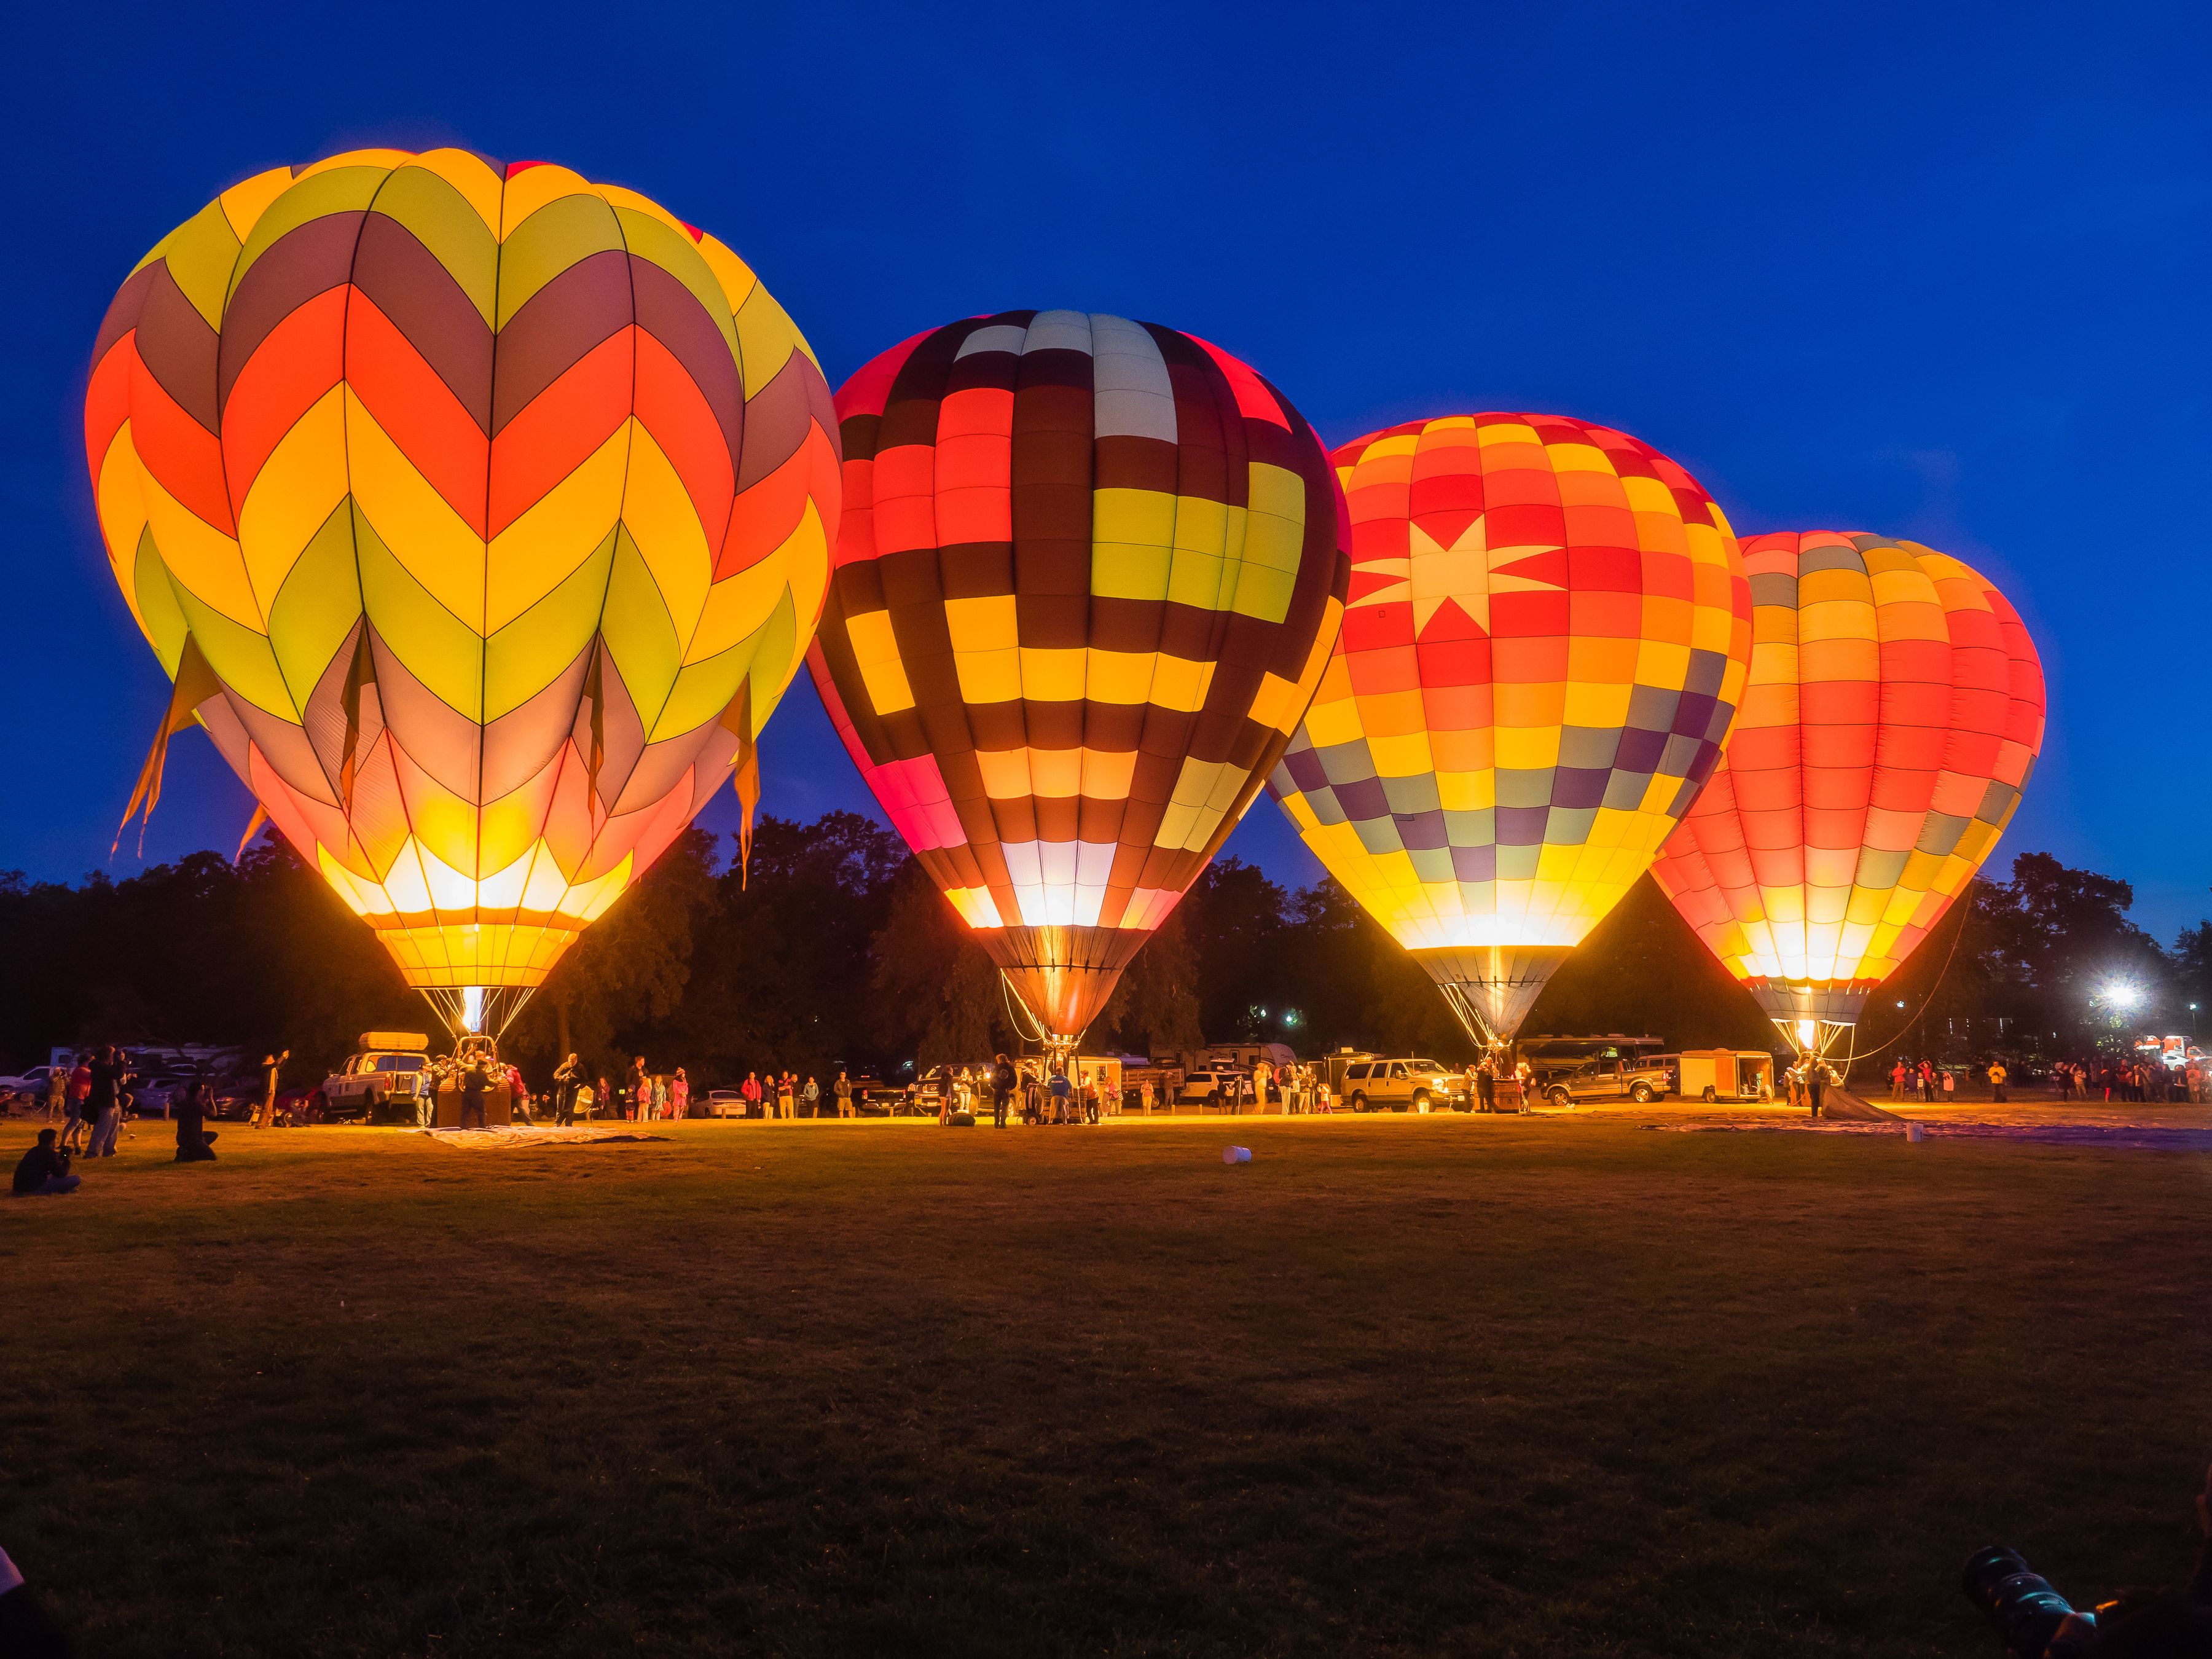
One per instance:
(1934,272)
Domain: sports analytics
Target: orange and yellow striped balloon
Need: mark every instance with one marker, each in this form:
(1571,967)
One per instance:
(481,516)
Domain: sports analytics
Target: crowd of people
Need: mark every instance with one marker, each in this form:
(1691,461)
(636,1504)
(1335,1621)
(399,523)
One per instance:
(2104,1078)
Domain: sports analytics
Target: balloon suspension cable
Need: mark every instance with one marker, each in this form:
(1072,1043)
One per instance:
(469,1009)
(1485,1035)
(1030,1029)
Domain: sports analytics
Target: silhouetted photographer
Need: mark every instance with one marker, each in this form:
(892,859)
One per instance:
(2034,1621)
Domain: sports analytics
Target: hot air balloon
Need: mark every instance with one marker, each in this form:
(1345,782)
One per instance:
(1892,717)
(1545,644)
(480,518)
(1090,572)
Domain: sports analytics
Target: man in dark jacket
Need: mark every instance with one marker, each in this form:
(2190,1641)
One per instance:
(45,1169)
(191,1114)
(567,1077)
(1002,1089)
(472,1095)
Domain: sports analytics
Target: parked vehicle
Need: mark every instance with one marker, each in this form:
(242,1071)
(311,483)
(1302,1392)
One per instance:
(385,1077)
(1714,1074)
(1399,1085)
(1565,1070)
(725,1103)
(1212,1088)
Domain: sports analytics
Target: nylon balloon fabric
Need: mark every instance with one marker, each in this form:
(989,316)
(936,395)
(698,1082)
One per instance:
(1089,574)
(1544,644)
(1893,716)
(480,515)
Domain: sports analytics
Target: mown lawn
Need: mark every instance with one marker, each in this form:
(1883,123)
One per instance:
(1559,1387)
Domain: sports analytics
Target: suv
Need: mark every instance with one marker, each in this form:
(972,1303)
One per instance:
(1565,1071)
(1212,1087)
(1398,1085)
(388,1070)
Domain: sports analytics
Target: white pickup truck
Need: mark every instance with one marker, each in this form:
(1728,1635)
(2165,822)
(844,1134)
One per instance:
(387,1073)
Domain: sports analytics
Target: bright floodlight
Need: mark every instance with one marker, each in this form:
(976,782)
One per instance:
(2123,996)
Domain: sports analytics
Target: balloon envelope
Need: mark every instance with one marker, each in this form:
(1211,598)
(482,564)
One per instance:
(1893,715)
(1090,573)
(480,518)
(1544,644)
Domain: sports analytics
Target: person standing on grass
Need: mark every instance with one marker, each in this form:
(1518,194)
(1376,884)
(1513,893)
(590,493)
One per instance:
(57,1079)
(264,1115)
(104,1106)
(750,1092)
(680,1095)
(843,1087)
(1950,1086)
(1485,1084)
(811,1094)
(568,1077)
(43,1171)
(1816,1083)
(80,1092)
(1997,1081)
(1262,1075)
(1002,1089)
(787,1087)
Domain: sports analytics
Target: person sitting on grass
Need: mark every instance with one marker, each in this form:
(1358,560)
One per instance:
(45,1169)
(191,1114)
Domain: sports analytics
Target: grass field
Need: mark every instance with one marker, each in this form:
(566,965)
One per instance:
(1536,1387)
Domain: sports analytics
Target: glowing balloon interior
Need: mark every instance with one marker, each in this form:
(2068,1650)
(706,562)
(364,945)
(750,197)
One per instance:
(1893,715)
(1545,644)
(480,517)
(1089,574)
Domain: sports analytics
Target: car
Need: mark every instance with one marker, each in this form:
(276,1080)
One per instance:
(385,1077)
(1212,1087)
(1567,1071)
(1403,1084)
(725,1103)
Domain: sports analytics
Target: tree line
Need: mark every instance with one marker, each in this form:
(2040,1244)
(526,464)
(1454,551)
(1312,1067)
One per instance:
(831,947)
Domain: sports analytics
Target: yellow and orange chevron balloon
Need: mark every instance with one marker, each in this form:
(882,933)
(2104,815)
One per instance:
(481,517)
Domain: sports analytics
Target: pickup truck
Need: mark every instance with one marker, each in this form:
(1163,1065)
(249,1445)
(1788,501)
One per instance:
(1640,1078)
(387,1073)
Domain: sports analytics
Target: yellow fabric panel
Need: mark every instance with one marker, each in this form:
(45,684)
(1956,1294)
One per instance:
(437,647)
(703,690)
(1528,748)
(766,337)
(200,254)
(241,656)
(559,532)
(293,494)
(311,615)
(737,606)
(988,622)
(658,512)
(1181,685)
(1118,677)
(1600,705)
(1468,791)
(1052,676)
(639,633)
(1404,756)
(202,560)
(990,676)
(243,204)
(433,542)
(876,651)
(526,655)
